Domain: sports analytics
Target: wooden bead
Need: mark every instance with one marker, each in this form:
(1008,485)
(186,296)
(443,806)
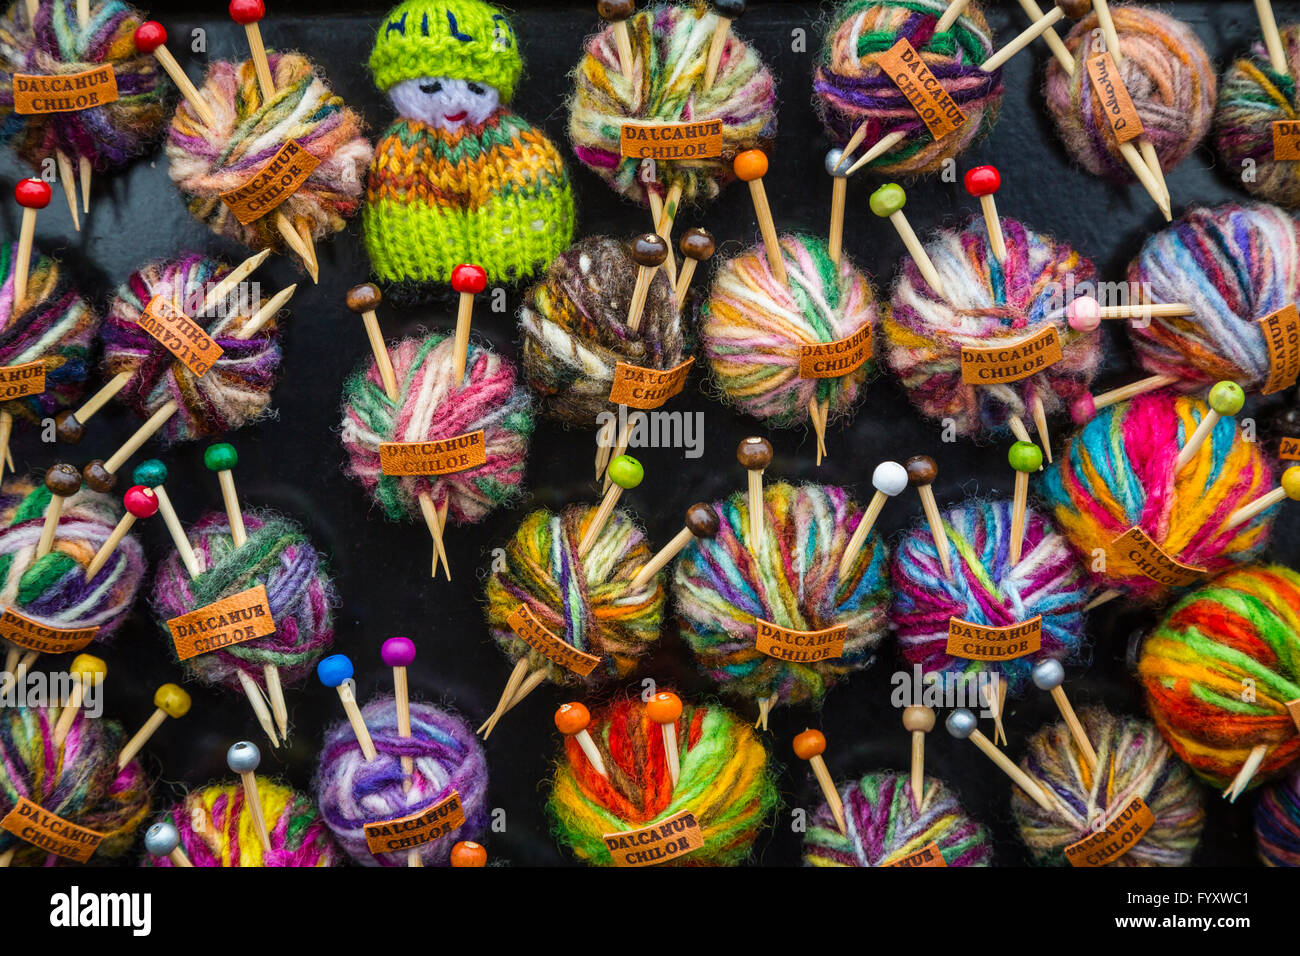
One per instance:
(572,718)
(918,718)
(649,250)
(664,707)
(809,744)
(1075,9)
(921,470)
(702,520)
(98,477)
(68,428)
(364,298)
(468,853)
(750,165)
(731,9)
(754,454)
(615,9)
(697,244)
(63,480)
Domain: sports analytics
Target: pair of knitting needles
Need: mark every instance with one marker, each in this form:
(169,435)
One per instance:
(663,709)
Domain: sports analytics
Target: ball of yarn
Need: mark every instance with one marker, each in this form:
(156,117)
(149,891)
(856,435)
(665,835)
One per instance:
(53,590)
(55,326)
(1277,822)
(353,791)
(851,87)
(753,326)
(988,304)
(234,391)
(431,406)
(987,589)
(79,782)
(206,161)
(884,826)
(726,782)
(1168,75)
(1132,761)
(575,331)
(588,602)
(670,48)
(57,43)
(1117,473)
(1233,265)
(1220,669)
(1252,97)
(724,585)
(217,830)
(299,593)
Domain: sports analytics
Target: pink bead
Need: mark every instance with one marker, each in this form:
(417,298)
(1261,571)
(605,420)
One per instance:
(398,652)
(1083,313)
(140,501)
(1082,409)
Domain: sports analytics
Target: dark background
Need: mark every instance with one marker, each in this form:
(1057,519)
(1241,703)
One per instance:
(293,463)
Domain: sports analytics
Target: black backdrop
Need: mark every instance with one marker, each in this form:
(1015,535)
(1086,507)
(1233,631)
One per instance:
(293,463)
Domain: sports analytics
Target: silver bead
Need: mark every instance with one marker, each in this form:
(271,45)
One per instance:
(1048,674)
(243,757)
(960,723)
(161,838)
(832,161)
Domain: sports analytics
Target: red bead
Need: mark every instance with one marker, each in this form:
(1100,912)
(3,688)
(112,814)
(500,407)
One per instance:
(32,193)
(140,501)
(982,181)
(467,278)
(149,36)
(245,12)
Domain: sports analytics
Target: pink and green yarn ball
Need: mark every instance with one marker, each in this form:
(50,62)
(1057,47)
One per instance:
(1252,97)
(1277,822)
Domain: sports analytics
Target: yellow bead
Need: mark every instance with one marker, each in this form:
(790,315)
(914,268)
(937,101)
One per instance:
(172,700)
(87,664)
(1291,482)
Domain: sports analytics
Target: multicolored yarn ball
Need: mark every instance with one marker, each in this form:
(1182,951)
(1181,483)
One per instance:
(55,325)
(1277,822)
(53,590)
(987,589)
(791,577)
(753,325)
(988,303)
(301,596)
(57,43)
(726,782)
(1132,761)
(1252,97)
(234,391)
(884,825)
(670,47)
(1220,669)
(206,161)
(575,331)
(1168,75)
(1117,472)
(588,602)
(432,406)
(851,87)
(1233,265)
(79,782)
(216,828)
(353,791)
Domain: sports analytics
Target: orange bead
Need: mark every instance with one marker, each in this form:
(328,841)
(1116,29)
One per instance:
(664,707)
(809,744)
(751,165)
(468,853)
(572,718)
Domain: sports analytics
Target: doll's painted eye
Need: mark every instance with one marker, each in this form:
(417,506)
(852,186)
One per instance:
(431,88)
(476,89)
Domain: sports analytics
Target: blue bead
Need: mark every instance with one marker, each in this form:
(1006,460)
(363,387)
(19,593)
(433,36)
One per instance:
(334,670)
(151,473)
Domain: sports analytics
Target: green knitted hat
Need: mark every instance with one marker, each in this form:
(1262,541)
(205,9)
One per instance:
(461,39)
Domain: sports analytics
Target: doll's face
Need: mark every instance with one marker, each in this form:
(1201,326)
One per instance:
(445,103)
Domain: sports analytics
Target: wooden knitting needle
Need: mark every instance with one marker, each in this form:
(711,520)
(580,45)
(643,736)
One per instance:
(336,671)
(151,37)
(663,709)
(468,853)
(399,653)
(839,198)
(169,700)
(887,202)
(1049,675)
(243,758)
(983,182)
(697,246)
(33,195)
(701,522)
(1226,399)
(83,20)
(1272,38)
(663,220)
(68,180)
(1288,487)
(63,481)
(151,474)
(921,473)
(1085,314)
(955,9)
(754,455)
(751,167)
(727,11)
(918,720)
(1024,457)
(889,479)
(468,281)
(162,839)
(572,720)
(87,670)
(1075,10)
(624,472)
(961,724)
(810,745)
(1085,406)
(616,12)
(139,502)
(1247,773)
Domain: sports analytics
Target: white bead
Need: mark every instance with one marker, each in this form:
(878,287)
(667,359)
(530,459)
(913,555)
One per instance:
(889,477)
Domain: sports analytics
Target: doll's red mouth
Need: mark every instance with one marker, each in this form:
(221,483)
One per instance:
(456,117)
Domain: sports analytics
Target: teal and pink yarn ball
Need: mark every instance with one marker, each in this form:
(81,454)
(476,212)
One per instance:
(988,304)
(753,326)
(987,589)
(884,826)
(447,759)
(1133,761)
(1233,265)
(1252,97)
(1277,822)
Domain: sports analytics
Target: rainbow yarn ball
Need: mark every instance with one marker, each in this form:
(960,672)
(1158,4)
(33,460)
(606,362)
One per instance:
(57,43)
(987,589)
(726,783)
(79,782)
(575,331)
(589,603)
(299,593)
(670,46)
(988,304)
(206,161)
(216,828)
(53,590)
(1277,822)
(753,327)
(55,326)
(851,87)
(234,391)
(1220,669)
(1117,473)
(1168,75)
(432,406)
(885,827)
(791,578)
(1252,97)
(1233,265)
(447,760)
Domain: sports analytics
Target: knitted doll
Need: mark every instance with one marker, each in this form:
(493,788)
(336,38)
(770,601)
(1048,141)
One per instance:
(458,178)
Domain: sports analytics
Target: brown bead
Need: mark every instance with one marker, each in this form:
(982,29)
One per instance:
(63,480)
(98,477)
(68,428)
(1075,9)
(649,250)
(702,520)
(918,718)
(921,470)
(364,298)
(754,454)
(616,9)
(697,244)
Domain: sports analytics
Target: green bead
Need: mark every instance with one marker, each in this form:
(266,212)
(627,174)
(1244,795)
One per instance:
(887,200)
(1227,398)
(1025,456)
(221,457)
(151,473)
(626,472)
